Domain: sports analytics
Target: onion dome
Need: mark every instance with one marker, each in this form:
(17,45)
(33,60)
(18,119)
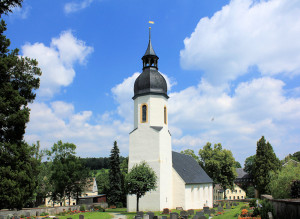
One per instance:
(150,81)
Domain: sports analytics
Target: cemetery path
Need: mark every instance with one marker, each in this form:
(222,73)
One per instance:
(118,216)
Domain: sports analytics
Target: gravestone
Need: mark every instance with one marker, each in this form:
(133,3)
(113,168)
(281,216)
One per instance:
(196,216)
(179,208)
(235,204)
(183,213)
(140,213)
(16,217)
(166,211)
(151,214)
(200,213)
(220,208)
(206,211)
(270,215)
(138,217)
(164,217)
(173,215)
(191,212)
(146,216)
(81,216)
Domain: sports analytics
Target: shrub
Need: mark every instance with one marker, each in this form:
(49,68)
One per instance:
(255,212)
(119,205)
(295,189)
(244,207)
(252,203)
(44,214)
(266,207)
(82,208)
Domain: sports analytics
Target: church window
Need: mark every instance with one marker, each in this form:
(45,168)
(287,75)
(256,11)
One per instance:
(165,115)
(144,117)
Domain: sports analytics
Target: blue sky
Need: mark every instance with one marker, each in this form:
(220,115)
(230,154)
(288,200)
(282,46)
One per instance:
(232,69)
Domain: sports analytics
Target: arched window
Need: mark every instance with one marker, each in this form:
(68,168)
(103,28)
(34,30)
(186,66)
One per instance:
(144,113)
(165,115)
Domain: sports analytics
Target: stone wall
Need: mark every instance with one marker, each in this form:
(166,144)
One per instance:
(285,208)
(52,211)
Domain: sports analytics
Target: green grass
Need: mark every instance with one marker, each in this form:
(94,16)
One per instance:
(230,213)
(88,215)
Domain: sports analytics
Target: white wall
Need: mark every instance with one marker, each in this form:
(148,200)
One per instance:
(178,191)
(154,147)
(198,195)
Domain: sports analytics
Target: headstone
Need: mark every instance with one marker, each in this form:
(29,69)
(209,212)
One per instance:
(183,213)
(200,213)
(228,206)
(270,215)
(151,214)
(196,216)
(191,212)
(16,217)
(81,216)
(164,217)
(173,215)
(146,216)
(140,213)
(138,217)
(206,210)
(235,204)
(179,208)
(220,208)
(166,211)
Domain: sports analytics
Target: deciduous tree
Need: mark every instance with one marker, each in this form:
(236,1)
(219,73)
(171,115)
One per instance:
(249,164)
(140,179)
(219,164)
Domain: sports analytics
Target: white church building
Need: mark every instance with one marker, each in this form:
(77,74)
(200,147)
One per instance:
(181,180)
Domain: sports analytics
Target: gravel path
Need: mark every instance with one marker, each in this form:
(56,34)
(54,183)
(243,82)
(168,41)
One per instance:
(118,216)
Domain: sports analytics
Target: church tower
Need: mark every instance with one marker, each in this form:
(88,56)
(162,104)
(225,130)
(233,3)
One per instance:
(150,140)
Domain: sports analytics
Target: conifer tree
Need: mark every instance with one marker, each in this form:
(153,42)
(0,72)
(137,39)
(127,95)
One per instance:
(115,176)
(265,161)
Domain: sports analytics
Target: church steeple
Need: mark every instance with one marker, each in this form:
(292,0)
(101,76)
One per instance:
(150,58)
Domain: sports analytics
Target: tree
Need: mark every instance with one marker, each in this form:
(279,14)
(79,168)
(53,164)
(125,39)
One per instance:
(18,80)
(237,164)
(7,5)
(103,182)
(191,153)
(68,175)
(296,156)
(249,163)
(124,171)
(219,164)
(140,179)
(281,181)
(115,176)
(264,162)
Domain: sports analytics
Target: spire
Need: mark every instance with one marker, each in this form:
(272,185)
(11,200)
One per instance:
(150,58)
(150,50)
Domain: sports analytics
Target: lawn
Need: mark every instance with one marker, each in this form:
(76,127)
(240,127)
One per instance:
(88,215)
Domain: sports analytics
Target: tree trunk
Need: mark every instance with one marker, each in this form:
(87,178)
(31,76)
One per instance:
(224,189)
(69,200)
(137,203)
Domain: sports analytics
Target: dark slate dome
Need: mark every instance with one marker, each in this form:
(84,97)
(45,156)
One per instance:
(150,81)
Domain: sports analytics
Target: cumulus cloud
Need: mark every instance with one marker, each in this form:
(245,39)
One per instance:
(20,12)
(243,34)
(77,6)
(57,61)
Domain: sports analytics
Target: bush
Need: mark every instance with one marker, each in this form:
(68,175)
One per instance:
(244,207)
(295,189)
(266,207)
(252,203)
(255,212)
(82,208)
(119,205)
(44,214)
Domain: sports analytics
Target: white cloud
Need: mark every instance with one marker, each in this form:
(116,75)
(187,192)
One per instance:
(243,34)
(77,6)
(21,12)
(56,61)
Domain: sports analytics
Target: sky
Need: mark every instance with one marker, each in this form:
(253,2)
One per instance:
(232,68)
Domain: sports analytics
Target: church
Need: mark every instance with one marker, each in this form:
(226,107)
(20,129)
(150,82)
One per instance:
(181,182)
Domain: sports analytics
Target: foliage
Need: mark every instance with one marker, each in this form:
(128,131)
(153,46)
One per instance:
(249,163)
(252,203)
(237,164)
(296,156)
(250,192)
(103,182)
(124,171)
(281,181)
(265,162)
(266,207)
(68,175)
(218,164)
(115,176)
(191,153)
(295,189)
(82,207)
(99,163)
(140,179)
(7,5)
